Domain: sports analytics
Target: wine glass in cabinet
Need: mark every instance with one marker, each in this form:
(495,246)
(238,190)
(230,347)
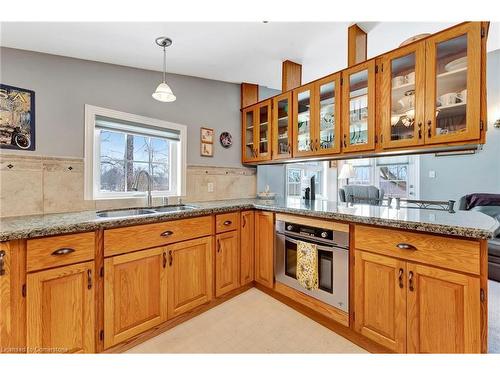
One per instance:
(453,84)
(358,107)
(402,95)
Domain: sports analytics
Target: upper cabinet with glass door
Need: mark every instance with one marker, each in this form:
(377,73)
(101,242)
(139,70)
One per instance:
(453,84)
(256,130)
(327,111)
(358,107)
(282,126)
(303,121)
(402,95)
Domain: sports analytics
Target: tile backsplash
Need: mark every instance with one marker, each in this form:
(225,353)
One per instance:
(36,185)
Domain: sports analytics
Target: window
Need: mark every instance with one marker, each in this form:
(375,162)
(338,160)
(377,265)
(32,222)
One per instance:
(299,178)
(120,145)
(398,175)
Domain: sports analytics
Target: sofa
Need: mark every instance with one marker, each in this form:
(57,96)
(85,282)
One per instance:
(492,210)
(367,194)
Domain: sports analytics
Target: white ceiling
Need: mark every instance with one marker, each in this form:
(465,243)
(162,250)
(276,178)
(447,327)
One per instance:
(226,51)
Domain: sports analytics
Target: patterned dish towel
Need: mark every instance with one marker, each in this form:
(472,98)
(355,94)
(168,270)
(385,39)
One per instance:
(307,265)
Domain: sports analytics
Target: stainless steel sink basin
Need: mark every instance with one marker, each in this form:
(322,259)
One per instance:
(173,208)
(125,213)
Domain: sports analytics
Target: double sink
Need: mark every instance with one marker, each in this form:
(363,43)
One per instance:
(143,211)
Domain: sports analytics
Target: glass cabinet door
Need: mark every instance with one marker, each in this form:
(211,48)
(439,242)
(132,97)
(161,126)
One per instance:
(263,131)
(303,121)
(402,97)
(358,107)
(282,129)
(249,151)
(327,136)
(453,84)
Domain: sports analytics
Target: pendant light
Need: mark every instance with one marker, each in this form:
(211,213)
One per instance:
(163,92)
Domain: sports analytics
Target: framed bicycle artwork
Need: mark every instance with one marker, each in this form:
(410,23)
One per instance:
(17,118)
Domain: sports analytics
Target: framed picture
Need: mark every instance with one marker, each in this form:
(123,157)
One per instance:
(207,149)
(17,118)
(226,139)
(207,135)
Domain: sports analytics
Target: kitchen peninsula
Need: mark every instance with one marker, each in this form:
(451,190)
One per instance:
(403,263)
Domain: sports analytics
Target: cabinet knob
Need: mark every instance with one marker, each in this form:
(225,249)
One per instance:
(63,251)
(167,233)
(2,262)
(228,222)
(410,282)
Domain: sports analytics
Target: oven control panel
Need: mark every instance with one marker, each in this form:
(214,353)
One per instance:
(323,235)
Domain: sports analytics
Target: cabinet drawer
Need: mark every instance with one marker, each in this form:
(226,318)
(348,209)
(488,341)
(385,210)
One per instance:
(59,250)
(457,254)
(124,240)
(226,222)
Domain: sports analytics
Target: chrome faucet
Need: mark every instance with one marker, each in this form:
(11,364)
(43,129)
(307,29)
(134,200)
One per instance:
(150,183)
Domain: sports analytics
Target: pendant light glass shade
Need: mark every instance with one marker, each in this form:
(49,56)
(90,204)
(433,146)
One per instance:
(163,92)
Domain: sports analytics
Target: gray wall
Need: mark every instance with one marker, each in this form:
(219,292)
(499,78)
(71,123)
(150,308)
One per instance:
(64,85)
(460,175)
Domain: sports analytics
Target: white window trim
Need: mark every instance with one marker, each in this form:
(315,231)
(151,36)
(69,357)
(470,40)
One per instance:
(91,190)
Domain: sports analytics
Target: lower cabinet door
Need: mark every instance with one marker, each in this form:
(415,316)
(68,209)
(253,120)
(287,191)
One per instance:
(189,275)
(226,262)
(264,248)
(247,245)
(380,299)
(135,294)
(60,310)
(443,311)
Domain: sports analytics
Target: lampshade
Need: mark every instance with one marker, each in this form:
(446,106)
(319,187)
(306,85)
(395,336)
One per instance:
(346,172)
(164,93)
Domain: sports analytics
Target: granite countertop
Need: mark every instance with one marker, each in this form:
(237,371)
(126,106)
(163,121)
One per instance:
(462,223)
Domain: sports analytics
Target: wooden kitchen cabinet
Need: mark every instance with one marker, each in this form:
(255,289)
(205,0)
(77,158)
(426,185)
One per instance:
(226,262)
(443,311)
(304,121)
(189,275)
(247,245)
(264,248)
(409,307)
(60,309)
(282,126)
(453,85)
(380,299)
(358,107)
(135,294)
(256,131)
(402,95)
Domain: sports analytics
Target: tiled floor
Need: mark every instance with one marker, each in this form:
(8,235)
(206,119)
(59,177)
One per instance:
(494,317)
(252,322)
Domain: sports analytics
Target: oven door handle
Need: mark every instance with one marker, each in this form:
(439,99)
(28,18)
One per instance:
(318,246)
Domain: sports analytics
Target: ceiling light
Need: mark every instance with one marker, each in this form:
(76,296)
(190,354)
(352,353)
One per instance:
(163,92)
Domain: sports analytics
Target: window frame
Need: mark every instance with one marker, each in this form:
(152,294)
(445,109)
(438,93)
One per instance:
(92,154)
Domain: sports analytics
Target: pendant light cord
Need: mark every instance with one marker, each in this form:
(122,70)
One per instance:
(164,64)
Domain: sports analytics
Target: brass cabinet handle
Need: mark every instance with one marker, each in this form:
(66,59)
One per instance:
(164,259)
(345,140)
(419,130)
(89,279)
(405,246)
(400,278)
(63,251)
(410,282)
(2,262)
(218,246)
(244,221)
(228,222)
(429,130)
(167,233)
(170,258)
